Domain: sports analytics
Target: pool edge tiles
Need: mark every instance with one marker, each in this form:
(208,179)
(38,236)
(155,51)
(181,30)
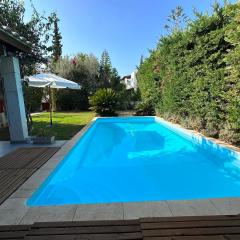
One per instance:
(79,140)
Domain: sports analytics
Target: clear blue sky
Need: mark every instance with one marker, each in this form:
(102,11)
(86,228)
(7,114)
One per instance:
(126,28)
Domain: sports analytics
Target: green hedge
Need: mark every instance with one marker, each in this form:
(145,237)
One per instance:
(193,75)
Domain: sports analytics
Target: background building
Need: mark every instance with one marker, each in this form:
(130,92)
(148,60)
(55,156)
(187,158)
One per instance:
(130,81)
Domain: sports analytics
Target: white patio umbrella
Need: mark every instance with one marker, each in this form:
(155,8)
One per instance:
(49,81)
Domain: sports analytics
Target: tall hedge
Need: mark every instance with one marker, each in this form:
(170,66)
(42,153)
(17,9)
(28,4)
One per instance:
(193,75)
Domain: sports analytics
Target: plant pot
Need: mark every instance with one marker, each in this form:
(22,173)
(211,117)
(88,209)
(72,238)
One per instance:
(43,140)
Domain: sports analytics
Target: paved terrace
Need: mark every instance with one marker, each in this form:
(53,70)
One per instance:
(15,211)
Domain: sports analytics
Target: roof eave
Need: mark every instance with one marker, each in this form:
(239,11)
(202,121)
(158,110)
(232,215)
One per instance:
(9,39)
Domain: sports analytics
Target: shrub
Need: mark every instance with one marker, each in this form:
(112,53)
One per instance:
(127,99)
(145,108)
(104,102)
(72,100)
(229,134)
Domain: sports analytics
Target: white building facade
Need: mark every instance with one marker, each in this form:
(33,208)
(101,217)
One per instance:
(130,81)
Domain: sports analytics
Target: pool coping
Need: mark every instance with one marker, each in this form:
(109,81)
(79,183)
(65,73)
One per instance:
(15,211)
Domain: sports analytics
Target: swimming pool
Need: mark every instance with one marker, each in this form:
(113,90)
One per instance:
(140,159)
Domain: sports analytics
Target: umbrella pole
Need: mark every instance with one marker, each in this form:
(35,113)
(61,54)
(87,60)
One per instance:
(50,107)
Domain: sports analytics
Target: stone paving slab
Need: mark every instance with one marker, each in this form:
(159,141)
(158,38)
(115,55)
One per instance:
(35,181)
(23,193)
(133,210)
(192,208)
(12,211)
(49,214)
(227,205)
(113,211)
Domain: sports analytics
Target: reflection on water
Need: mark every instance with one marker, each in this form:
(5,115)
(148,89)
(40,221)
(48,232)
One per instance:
(148,140)
(103,143)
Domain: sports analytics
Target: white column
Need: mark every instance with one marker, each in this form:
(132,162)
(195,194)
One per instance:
(10,72)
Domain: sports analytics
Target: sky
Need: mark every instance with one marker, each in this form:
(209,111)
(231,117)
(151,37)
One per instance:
(127,29)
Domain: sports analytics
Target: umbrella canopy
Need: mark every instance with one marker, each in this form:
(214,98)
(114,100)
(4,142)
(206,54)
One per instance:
(42,80)
(50,80)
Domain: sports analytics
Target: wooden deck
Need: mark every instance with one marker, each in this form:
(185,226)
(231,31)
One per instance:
(197,228)
(171,228)
(17,166)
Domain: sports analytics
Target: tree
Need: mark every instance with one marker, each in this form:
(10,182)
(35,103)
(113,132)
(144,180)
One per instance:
(176,19)
(141,60)
(56,41)
(105,70)
(115,81)
(37,31)
(56,50)
(83,69)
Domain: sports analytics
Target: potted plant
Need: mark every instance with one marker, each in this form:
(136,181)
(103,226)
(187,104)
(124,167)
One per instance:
(44,137)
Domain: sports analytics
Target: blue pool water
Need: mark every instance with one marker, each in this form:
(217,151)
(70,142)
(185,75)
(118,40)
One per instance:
(140,159)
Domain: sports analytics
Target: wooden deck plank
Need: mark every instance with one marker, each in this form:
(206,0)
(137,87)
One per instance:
(191,231)
(190,224)
(189,218)
(191,228)
(85,223)
(26,157)
(232,237)
(187,238)
(5,228)
(17,166)
(12,181)
(45,155)
(99,230)
(83,230)
(14,231)
(13,235)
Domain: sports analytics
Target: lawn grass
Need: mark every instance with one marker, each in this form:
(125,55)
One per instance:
(65,124)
